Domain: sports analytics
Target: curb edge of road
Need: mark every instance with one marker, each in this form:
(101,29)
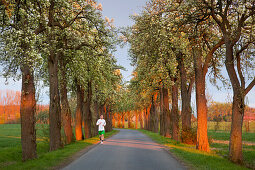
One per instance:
(167,149)
(77,155)
(183,163)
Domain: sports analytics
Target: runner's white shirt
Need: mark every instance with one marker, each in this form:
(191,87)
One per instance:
(101,123)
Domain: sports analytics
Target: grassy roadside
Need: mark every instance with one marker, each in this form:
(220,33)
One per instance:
(10,157)
(192,157)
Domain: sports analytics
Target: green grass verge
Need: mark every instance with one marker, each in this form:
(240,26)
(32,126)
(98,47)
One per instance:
(196,159)
(10,150)
(225,135)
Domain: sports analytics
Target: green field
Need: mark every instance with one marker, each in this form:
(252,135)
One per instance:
(10,149)
(216,159)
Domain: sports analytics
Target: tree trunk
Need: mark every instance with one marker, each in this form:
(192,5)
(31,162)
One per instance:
(110,121)
(202,138)
(162,116)
(153,115)
(123,120)
(148,117)
(166,113)
(175,112)
(113,120)
(54,110)
(235,145)
(27,114)
(141,119)
(129,119)
(186,97)
(87,113)
(119,120)
(145,118)
(96,110)
(66,111)
(78,114)
(136,119)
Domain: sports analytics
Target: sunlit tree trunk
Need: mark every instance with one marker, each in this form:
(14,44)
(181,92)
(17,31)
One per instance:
(123,120)
(162,116)
(202,138)
(27,114)
(65,111)
(113,120)
(141,119)
(175,112)
(148,117)
(136,119)
(78,114)
(166,113)
(119,120)
(153,115)
(87,112)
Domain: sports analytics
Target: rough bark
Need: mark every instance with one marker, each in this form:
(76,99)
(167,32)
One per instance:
(153,115)
(175,112)
(27,114)
(186,90)
(114,120)
(87,114)
(129,119)
(166,113)
(96,112)
(235,145)
(162,116)
(123,120)
(202,138)
(54,110)
(65,111)
(148,117)
(136,119)
(78,113)
(141,119)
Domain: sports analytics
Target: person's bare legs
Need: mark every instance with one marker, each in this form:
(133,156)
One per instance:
(102,137)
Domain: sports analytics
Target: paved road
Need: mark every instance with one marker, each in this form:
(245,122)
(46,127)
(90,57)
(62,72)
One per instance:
(128,150)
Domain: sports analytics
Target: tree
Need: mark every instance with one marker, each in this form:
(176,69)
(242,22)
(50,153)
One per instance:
(235,19)
(18,52)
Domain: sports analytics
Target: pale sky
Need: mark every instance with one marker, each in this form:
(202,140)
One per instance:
(120,10)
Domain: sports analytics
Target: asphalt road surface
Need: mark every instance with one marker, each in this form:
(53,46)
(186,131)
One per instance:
(128,150)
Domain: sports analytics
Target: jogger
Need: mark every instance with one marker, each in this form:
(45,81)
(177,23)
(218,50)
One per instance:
(101,131)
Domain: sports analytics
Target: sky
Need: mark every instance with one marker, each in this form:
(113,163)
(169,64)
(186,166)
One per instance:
(120,11)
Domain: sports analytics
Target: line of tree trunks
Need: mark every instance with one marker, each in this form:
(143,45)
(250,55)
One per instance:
(27,114)
(54,110)
(175,111)
(65,111)
(87,114)
(78,113)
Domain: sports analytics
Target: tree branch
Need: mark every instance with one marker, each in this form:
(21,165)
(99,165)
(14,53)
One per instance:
(210,55)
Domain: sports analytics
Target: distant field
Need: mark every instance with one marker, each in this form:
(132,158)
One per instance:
(226,126)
